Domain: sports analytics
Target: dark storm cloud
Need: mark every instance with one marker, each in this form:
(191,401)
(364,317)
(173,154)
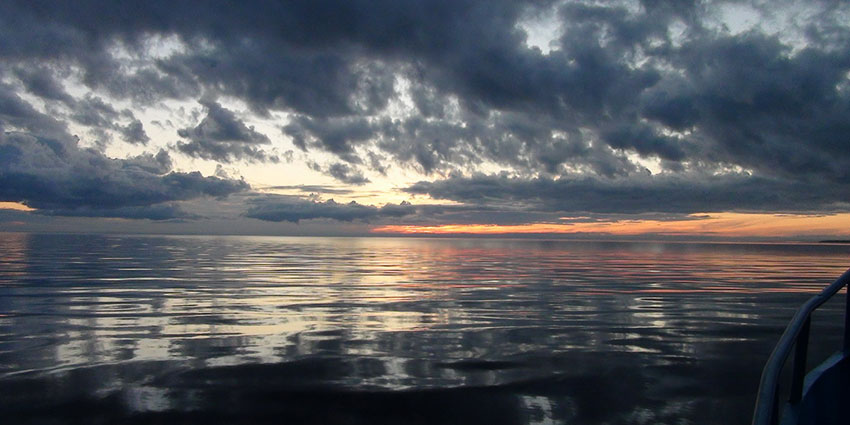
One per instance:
(757,105)
(666,194)
(100,116)
(134,133)
(645,141)
(341,172)
(60,178)
(17,114)
(292,209)
(93,111)
(430,145)
(89,110)
(528,144)
(347,174)
(337,135)
(41,82)
(763,117)
(221,136)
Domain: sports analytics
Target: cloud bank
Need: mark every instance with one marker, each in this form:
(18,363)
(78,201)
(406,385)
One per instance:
(282,208)
(625,107)
(61,179)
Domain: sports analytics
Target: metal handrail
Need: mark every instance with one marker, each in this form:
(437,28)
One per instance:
(796,335)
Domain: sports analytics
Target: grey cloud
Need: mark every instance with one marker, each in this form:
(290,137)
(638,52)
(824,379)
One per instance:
(147,86)
(160,163)
(221,125)
(757,105)
(319,84)
(41,82)
(17,114)
(221,136)
(315,189)
(640,194)
(158,212)
(435,214)
(60,178)
(618,83)
(336,135)
(282,208)
(529,144)
(341,172)
(675,111)
(377,163)
(525,142)
(347,174)
(645,141)
(430,145)
(134,133)
(99,116)
(428,102)
(93,111)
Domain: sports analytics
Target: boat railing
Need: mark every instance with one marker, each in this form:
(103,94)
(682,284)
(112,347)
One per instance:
(796,336)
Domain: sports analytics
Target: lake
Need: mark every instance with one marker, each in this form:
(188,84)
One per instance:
(195,329)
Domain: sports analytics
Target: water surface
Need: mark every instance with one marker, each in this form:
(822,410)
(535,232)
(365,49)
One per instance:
(138,329)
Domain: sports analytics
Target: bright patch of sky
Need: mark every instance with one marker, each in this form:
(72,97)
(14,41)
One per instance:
(542,29)
(788,22)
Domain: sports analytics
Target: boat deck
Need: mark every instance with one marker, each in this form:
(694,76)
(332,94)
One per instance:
(819,396)
(825,391)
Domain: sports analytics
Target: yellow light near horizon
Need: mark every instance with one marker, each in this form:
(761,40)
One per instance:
(704,224)
(15,206)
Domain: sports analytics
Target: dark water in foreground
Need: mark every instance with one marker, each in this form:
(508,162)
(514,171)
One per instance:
(114,329)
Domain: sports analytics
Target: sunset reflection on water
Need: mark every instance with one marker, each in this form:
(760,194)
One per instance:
(168,324)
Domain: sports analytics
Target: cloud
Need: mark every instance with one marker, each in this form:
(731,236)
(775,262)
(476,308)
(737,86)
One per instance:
(336,135)
(89,110)
(93,111)
(57,177)
(453,88)
(158,212)
(292,209)
(347,174)
(41,82)
(645,141)
(754,103)
(637,195)
(17,114)
(135,133)
(221,136)
(342,172)
(314,189)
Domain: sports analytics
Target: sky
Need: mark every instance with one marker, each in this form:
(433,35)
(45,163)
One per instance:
(654,118)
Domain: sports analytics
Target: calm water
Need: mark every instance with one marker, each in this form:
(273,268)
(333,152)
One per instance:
(120,329)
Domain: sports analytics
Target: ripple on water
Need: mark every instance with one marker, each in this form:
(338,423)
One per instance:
(189,329)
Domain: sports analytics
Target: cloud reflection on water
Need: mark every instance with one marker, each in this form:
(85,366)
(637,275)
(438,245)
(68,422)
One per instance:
(580,331)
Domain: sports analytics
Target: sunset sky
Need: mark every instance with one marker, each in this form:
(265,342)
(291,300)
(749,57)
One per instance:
(645,118)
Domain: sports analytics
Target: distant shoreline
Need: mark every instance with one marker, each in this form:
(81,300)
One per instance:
(647,238)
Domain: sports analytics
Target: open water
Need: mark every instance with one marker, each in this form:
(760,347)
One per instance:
(152,329)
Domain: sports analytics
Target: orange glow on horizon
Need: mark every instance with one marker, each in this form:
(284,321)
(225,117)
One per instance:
(708,224)
(15,206)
